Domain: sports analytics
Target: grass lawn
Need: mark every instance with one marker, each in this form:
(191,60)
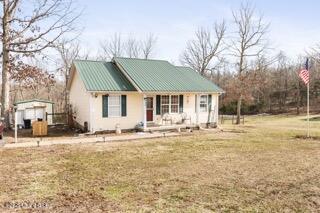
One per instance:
(260,166)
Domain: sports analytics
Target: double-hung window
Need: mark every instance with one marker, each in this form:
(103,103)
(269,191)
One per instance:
(114,106)
(165,103)
(169,104)
(174,103)
(203,103)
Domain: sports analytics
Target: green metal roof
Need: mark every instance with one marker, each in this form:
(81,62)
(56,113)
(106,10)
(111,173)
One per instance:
(161,76)
(102,76)
(33,100)
(198,80)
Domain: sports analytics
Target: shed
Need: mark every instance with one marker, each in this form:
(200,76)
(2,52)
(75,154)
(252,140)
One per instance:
(33,110)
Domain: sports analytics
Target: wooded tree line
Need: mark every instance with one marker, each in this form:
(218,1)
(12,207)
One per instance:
(271,88)
(236,55)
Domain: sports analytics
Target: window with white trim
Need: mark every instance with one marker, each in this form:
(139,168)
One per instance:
(165,103)
(174,103)
(169,104)
(203,103)
(114,106)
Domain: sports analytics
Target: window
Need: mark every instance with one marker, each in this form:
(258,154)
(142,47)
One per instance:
(114,106)
(203,103)
(169,104)
(174,103)
(165,102)
(149,102)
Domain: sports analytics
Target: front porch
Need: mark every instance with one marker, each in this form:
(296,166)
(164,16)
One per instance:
(151,127)
(178,111)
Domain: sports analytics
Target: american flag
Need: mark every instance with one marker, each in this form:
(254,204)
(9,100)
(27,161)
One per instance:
(304,73)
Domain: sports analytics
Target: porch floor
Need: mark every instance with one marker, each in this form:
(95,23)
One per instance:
(156,127)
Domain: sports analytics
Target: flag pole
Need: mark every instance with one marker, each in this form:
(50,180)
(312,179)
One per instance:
(308,134)
(304,74)
(308,96)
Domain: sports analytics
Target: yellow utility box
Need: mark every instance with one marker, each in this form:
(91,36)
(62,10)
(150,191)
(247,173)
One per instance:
(40,128)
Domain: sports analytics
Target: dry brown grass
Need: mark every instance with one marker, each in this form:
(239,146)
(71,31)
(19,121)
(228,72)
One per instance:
(261,166)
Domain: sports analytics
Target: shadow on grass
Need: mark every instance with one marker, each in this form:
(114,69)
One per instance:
(304,137)
(316,118)
(234,130)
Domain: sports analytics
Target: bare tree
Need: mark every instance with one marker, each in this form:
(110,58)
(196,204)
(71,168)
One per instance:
(148,45)
(68,51)
(281,79)
(248,42)
(112,48)
(201,51)
(314,52)
(27,32)
(132,47)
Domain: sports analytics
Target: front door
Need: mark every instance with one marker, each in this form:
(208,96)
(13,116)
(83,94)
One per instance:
(149,109)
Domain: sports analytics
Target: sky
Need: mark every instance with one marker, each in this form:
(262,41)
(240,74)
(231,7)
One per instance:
(294,25)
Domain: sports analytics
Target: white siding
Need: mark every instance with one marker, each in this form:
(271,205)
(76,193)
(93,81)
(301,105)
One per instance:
(189,109)
(88,108)
(134,113)
(79,100)
(20,117)
(31,110)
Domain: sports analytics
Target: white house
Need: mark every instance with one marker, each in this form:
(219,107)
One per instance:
(126,92)
(33,110)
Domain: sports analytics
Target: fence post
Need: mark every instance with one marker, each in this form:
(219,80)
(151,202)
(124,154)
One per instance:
(232,118)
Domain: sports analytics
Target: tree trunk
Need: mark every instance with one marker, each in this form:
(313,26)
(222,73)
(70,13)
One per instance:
(241,87)
(239,109)
(5,97)
(21,93)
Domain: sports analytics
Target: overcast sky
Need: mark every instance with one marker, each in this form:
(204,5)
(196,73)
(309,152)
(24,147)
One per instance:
(294,23)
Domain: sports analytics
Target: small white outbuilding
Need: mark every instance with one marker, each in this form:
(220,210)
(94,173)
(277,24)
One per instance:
(33,110)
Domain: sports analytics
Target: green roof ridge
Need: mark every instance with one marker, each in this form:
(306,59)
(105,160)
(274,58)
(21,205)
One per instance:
(142,59)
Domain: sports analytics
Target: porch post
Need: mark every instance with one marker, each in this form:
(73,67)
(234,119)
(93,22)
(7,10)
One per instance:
(91,113)
(144,103)
(197,108)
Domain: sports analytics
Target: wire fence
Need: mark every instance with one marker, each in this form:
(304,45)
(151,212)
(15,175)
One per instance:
(232,118)
(57,118)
